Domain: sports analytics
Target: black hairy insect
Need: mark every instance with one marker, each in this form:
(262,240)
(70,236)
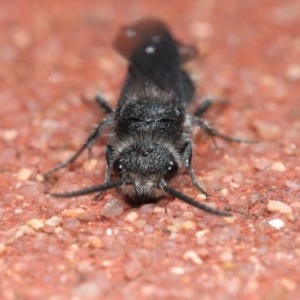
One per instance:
(150,136)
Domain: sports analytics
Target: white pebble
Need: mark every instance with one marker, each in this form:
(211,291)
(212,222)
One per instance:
(158,210)
(193,256)
(276,223)
(35,224)
(24,174)
(9,134)
(18,211)
(109,232)
(39,178)
(53,221)
(187,225)
(278,206)
(278,166)
(131,217)
(224,192)
(177,270)
(90,165)
(201,233)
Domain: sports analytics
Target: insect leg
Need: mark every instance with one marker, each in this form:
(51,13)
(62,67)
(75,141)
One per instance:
(187,158)
(205,104)
(87,145)
(108,156)
(202,108)
(103,104)
(213,132)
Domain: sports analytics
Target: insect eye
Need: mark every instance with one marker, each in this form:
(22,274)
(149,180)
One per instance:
(172,168)
(118,166)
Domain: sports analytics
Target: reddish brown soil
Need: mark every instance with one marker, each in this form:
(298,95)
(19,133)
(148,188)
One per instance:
(52,53)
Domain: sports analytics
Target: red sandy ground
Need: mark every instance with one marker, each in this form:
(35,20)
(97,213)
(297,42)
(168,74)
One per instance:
(52,53)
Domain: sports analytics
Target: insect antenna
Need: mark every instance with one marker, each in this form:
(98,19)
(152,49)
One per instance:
(89,190)
(195,203)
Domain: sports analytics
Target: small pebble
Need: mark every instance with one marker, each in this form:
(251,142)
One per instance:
(53,221)
(251,286)
(90,165)
(58,230)
(18,211)
(87,290)
(278,166)
(21,38)
(292,218)
(109,232)
(24,229)
(74,212)
(95,241)
(201,233)
(261,164)
(292,184)
(230,220)
(133,269)
(201,197)
(39,178)
(131,217)
(188,215)
(177,270)
(140,224)
(226,256)
(71,224)
(193,256)
(224,192)
(187,225)
(172,228)
(203,30)
(295,204)
(267,131)
(147,208)
(71,252)
(234,185)
(112,208)
(288,284)
(292,72)
(9,134)
(85,266)
(128,228)
(2,248)
(35,224)
(278,206)
(276,223)
(108,263)
(24,174)
(159,210)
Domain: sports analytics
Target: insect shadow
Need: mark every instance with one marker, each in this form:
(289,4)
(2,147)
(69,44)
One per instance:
(150,131)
